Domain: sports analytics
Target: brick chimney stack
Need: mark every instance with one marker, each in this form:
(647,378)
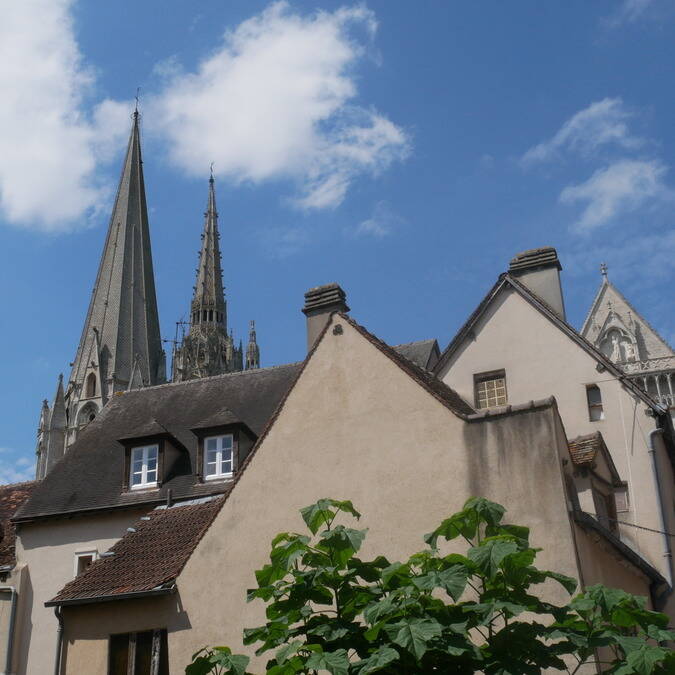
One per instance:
(320,303)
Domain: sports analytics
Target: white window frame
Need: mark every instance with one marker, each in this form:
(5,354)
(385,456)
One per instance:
(83,554)
(219,457)
(144,450)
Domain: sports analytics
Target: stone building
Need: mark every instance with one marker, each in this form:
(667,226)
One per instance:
(625,337)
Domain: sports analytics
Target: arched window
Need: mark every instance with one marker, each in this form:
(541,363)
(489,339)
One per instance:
(86,414)
(90,390)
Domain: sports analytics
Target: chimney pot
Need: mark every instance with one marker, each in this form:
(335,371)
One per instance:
(320,303)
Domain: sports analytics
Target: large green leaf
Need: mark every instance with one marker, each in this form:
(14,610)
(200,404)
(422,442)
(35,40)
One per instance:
(414,635)
(379,659)
(323,512)
(490,554)
(335,662)
(453,580)
(488,512)
(644,660)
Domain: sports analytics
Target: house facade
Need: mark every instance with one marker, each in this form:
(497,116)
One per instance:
(517,346)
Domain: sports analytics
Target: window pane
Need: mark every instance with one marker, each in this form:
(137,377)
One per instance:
(211,469)
(136,479)
(212,444)
(152,464)
(594,395)
(227,442)
(151,476)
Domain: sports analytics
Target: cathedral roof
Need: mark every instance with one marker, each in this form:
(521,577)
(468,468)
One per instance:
(424,353)
(90,475)
(609,299)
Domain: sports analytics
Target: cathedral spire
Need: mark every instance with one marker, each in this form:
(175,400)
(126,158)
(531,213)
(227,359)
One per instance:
(122,325)
(52,432)
(252,350)
(208,302)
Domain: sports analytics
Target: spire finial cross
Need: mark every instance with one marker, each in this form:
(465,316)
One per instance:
(211,170)
(603,269)
(138,93)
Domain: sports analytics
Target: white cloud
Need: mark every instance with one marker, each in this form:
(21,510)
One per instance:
(601,123)
(17,470)
(381,223)
(617,189)
(276,101)
(628,11)
(49,150)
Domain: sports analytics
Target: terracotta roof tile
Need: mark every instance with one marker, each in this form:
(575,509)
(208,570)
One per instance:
(584,449)
(149,557)
(11,498)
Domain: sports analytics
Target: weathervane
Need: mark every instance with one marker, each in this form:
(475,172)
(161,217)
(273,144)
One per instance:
(603,269)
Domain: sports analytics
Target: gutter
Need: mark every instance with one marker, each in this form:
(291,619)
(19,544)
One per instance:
(109,598)
(59,641)
(667,552)
(10,631)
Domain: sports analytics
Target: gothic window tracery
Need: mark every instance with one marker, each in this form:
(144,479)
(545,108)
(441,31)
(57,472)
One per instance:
(90,390)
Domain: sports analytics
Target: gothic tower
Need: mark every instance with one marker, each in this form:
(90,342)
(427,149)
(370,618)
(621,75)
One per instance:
(120,347)
(252,350)
(207,349)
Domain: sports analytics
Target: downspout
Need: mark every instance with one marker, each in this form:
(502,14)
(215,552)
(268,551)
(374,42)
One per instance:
(59,640)
(10,632)
(667,552)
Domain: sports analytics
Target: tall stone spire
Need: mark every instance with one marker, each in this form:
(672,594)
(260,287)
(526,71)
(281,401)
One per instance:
(208,302)
(252,349)
(207,349)
(121,330)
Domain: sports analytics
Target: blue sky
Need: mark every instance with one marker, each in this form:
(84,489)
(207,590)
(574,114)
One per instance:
(406,150)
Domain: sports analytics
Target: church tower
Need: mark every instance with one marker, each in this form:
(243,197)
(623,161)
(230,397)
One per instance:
(120,347)
(208,349)
(626,338)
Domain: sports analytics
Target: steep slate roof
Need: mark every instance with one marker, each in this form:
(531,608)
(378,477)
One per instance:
(148,558)
(425,353)
(505,280)
(90,476)
(11,498)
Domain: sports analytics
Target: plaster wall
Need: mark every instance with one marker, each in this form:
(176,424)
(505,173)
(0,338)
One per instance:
(354,427)
(47,550)
(540,360)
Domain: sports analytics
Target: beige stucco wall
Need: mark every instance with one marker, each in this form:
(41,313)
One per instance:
(540,360)
(47,551)
(355,426)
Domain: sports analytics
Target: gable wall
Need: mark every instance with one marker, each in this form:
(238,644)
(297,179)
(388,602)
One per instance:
(355,426)
(540,361)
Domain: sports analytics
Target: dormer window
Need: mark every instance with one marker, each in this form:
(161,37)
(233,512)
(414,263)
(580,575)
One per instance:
(218,456)
(143,471)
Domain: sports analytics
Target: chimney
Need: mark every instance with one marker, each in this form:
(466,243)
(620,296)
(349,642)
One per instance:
(320,303)
(539,270)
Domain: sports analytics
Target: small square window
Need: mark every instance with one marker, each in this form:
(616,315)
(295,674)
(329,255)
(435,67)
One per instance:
(143,472)
(218,456)
(490,389)
(594,398)
(83,560)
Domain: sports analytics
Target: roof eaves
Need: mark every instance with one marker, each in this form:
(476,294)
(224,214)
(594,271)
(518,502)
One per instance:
(502,411)
(587,521)
(154,592)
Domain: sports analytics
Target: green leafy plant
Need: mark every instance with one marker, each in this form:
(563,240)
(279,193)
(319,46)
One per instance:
(330,611)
